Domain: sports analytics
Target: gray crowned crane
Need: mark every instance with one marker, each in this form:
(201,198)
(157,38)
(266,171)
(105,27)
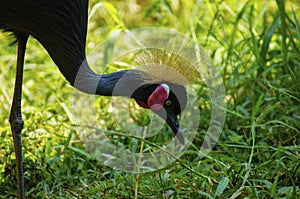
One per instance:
(61,27)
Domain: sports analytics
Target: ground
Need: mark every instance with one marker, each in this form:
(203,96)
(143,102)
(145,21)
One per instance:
(254,44)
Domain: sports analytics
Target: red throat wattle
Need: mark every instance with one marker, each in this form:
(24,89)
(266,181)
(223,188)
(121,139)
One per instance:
(158,97)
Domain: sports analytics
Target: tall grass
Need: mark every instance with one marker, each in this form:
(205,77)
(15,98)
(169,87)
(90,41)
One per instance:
(255,45)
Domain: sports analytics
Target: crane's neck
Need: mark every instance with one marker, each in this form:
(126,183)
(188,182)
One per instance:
(122,83)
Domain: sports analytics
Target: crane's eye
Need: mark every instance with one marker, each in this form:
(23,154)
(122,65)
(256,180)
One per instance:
(168,102)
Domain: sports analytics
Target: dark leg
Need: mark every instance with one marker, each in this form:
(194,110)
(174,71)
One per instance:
(15,118)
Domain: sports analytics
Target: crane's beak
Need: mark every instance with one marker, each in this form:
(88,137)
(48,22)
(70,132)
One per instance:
(173,122)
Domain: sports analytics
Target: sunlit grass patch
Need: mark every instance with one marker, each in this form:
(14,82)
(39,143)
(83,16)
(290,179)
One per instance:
(255,45)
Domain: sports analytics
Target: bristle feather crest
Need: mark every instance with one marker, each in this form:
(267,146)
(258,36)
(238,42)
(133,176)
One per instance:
(162,66)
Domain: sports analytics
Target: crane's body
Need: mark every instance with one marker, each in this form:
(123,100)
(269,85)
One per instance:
(61,27)
(66,20)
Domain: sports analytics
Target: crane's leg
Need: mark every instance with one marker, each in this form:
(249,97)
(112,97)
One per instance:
(15,118)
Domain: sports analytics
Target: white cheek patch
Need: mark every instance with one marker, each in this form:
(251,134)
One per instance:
(158,97)
(166,87)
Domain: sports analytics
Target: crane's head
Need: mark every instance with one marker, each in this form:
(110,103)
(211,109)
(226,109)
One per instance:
(166,100)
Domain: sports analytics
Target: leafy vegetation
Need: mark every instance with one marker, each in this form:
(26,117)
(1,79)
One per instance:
(256,47)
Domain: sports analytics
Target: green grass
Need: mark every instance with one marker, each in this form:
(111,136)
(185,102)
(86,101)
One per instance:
(256,47)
